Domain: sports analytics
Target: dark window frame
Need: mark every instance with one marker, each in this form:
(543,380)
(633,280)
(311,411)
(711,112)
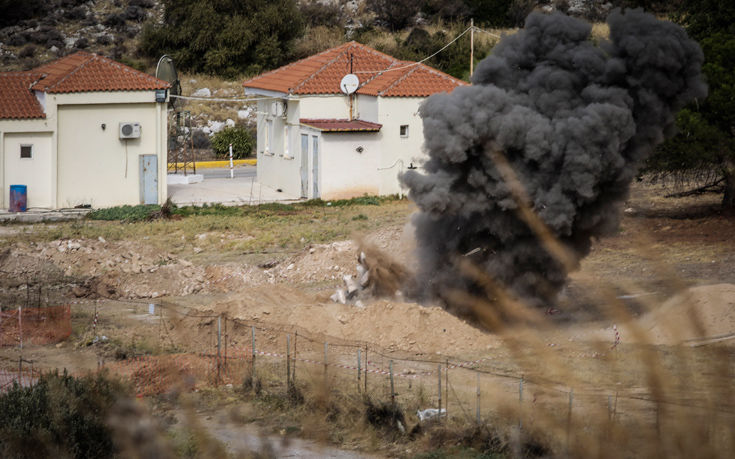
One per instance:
(30,151)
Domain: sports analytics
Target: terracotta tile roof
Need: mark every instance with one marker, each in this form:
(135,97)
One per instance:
(85,72)
(17,101)
(379,74)
(334,125)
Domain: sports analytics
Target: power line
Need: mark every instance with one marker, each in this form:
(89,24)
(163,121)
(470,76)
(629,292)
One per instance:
(419,62)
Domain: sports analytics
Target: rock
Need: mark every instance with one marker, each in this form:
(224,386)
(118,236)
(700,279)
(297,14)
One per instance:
(202,92)
(290,267)
(351,285)
(102,240)
(215,126)
(629,211)
(339,297)
(243,114)
(230,123)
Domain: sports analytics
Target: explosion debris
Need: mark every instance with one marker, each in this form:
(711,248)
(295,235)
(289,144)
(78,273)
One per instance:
(534,159)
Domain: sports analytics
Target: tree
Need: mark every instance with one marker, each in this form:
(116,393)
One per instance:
(240,138)
(225,37)
(704,147)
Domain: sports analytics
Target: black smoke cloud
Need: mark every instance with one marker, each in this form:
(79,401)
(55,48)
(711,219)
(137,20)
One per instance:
(574,119)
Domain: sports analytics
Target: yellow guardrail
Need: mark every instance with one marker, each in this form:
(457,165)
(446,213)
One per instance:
(218,164)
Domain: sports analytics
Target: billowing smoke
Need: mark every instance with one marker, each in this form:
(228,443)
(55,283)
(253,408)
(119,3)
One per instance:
(572,121)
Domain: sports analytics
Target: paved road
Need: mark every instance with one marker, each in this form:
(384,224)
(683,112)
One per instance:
(240,172)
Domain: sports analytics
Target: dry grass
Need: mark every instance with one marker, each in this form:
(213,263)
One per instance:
(256,229)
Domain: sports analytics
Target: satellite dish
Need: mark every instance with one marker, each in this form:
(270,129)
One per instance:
(349,83)
(166,71)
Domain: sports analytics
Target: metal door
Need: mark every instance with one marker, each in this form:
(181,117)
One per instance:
(315,164)
(148,179)
(304,165)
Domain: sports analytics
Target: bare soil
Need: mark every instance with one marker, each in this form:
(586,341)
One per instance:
(666,277)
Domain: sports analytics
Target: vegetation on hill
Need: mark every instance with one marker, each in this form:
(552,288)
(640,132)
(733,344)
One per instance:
(703,151)
(225,37)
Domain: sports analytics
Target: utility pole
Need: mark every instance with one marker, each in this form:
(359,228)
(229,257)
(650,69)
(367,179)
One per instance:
(472,46)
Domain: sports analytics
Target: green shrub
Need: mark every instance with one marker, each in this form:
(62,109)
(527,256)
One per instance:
(60,416)
(241,139)
(225,37)
(125,213)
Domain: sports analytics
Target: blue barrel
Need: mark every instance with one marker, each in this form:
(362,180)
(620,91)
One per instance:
(18,198)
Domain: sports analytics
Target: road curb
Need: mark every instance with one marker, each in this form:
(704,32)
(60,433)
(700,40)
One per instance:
(216,164)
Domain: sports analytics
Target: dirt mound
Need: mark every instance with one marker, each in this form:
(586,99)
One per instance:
(700,312)
(405,326)
(118,269)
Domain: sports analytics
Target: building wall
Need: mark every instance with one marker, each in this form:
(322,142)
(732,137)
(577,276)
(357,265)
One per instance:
(278,160)
(34,172)
(345,172)
(95,166)
(376,171)
(397,153)
(366,108)
(22,127)
(320,107)
(86,164)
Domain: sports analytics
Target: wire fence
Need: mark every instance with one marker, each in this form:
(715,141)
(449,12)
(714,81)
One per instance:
(191,350)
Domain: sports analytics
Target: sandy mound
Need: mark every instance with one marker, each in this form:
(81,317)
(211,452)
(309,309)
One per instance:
(700,312)
(117,269)
(404,326)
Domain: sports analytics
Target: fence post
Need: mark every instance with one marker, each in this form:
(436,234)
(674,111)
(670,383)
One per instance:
(326,346)
(20,325)
(392,387)
(446,391)
(219,347)
(520,403)
(359,370)
(252,368)
(366,367)
(478,399)
(288,361)
(295,357)
(569,416)
(439,383)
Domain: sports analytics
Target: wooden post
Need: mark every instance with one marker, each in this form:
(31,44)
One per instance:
(252,367)
(439,384)
(20,325)
(326,346)
(569,416)
(359,370)
(219,347)
(295,356)
(472,46)
(446,391)
(479,420)
(288,361)
(520,403)
(392,387)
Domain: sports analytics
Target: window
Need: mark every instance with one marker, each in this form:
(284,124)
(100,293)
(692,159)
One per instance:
(404,130)
(26,151)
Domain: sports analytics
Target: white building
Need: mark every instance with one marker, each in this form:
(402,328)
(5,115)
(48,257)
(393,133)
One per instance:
(316,141)
(83,130)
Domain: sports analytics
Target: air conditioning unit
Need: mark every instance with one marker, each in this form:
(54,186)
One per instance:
(129,130)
